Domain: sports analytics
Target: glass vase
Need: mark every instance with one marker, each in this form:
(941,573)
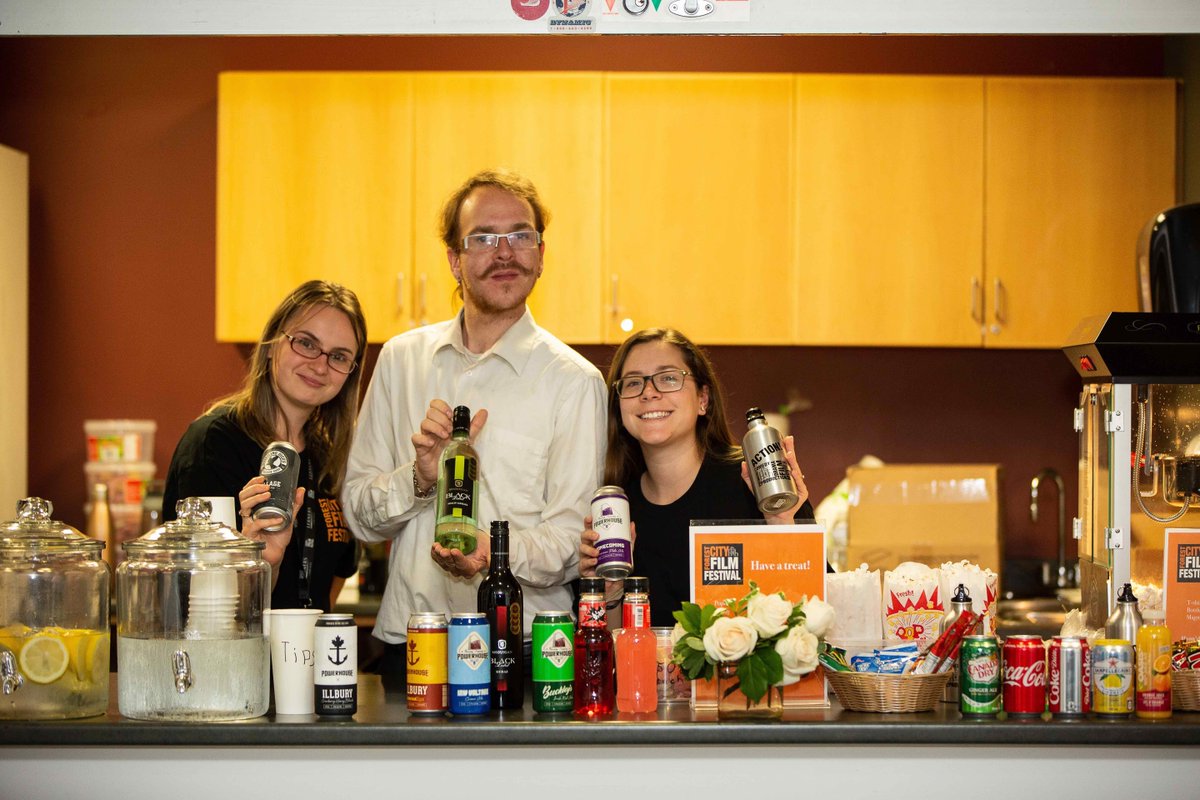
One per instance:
(732,704)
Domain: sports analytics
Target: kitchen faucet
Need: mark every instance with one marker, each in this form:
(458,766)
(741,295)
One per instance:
(1064,578)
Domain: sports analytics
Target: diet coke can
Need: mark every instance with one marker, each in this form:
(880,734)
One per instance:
(1024,675)
(1069,682)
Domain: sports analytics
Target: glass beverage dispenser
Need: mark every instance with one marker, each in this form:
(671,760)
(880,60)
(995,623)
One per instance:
(54,610)
(1139,447)
(190,639)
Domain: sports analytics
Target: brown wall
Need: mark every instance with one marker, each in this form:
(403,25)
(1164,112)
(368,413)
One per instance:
(121,134)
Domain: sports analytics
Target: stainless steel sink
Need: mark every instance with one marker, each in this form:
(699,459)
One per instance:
(1040,616)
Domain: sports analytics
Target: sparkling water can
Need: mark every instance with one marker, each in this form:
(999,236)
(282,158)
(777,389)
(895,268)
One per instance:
(1112,678)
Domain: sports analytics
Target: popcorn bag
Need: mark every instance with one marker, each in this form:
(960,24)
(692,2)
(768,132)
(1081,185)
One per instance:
(859,604)
(912,606)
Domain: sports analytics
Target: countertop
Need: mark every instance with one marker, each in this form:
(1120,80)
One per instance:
(383,719)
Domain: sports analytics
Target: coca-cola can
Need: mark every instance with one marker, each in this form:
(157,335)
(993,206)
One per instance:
(1069,678)
(1024,675)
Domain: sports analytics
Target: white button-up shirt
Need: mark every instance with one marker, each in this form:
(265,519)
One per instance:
(540,459)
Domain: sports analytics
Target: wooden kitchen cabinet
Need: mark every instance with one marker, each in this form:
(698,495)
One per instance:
(313,182)
(698,206)
(889,213)
(741,208)
(546,126)
(1075,170)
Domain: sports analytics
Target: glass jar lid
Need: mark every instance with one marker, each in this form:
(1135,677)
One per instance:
(34,531)
(193,530)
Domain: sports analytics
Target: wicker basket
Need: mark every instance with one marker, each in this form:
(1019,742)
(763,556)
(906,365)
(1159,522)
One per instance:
(867,691)
(1185,689)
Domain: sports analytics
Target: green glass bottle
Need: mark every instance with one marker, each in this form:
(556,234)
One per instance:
(458,488)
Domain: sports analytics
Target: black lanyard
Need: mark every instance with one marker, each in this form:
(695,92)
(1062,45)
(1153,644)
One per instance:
(308,540)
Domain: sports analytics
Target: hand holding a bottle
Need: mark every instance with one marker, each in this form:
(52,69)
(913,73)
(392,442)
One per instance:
(463,566)
(433,436)
(787,516)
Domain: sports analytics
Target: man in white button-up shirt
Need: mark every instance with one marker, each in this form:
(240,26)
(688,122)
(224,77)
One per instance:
(538,426)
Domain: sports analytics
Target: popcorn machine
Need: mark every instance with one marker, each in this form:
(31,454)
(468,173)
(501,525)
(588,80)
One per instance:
(1138,422)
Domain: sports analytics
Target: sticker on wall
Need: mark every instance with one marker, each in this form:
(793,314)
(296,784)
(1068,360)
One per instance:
(572,17)
(530,9)
(610,9)
(636,7)
(691,8)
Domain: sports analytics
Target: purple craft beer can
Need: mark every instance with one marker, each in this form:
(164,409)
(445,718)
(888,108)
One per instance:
(610,519)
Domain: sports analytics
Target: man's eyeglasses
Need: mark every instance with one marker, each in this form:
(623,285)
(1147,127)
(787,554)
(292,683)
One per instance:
(517,240)
(667,381)
(338,360)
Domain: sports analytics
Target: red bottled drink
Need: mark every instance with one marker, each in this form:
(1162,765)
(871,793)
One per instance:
(637,652)
(1024,675)
(593,653)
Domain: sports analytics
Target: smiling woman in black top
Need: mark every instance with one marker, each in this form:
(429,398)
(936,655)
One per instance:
(303,388)
(671,449)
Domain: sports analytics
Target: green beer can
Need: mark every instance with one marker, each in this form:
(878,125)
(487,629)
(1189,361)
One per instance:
(553,662)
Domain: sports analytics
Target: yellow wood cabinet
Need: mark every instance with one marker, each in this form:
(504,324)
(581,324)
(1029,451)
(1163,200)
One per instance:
(1075,169)
(889,213)
(698,206)
(545,126)
(312,182)
(742,209)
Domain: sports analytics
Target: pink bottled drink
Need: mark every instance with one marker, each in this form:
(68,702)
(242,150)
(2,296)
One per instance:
(637,652)
(593,653)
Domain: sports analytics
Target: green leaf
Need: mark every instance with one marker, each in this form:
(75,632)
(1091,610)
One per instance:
(710,613)
(752,674)
(689,617)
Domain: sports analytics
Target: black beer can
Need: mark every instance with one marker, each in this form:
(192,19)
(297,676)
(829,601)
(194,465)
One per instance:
(281,467)
(335,679)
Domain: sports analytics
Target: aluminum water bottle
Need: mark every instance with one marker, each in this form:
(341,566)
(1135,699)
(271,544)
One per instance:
(774,487)
(1125,620)
(958,604)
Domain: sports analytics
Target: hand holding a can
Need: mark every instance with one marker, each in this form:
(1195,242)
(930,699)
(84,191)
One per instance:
(253,494)
(788,515)
(434,434)
(589,554)
(460,565)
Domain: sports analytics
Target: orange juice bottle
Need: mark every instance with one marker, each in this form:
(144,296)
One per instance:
(1153,695)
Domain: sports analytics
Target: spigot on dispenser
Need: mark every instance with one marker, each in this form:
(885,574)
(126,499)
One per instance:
(10,676)
(181,665)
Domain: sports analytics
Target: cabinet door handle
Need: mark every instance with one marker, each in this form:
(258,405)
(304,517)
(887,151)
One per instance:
(976,300)
(399,293)
(1000,303)
(421,300)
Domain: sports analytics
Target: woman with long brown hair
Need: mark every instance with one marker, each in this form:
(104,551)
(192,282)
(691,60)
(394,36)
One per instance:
(302,387)
(671,449)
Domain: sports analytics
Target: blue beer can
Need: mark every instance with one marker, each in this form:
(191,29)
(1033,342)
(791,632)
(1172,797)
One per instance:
(470,664)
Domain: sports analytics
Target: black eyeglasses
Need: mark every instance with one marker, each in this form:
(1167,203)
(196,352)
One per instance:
(338,360)
(667,381)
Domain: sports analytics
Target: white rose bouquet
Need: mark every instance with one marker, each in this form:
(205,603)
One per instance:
(773,641)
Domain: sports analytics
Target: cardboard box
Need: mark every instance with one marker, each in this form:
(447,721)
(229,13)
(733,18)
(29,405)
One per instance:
(931,513)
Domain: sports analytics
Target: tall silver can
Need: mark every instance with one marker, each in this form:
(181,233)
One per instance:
(335,679)
(774,487)
(281,467)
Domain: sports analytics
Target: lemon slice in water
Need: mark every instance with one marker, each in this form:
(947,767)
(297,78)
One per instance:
(44,658)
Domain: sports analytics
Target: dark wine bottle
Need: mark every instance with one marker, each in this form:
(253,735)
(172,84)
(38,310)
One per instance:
(500,600)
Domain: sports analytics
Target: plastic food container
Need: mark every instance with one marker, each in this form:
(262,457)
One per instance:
(126,480)
(120,439)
